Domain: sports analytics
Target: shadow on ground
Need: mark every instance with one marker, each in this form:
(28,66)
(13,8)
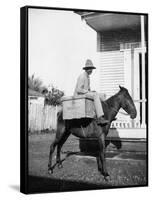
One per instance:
(43,184)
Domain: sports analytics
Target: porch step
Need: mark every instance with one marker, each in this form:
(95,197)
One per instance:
(130,133)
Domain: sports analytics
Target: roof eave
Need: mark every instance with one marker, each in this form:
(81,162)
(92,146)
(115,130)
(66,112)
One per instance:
(101,22)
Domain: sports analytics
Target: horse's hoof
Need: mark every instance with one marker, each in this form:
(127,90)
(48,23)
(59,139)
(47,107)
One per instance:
(50,171)
(100,170)
(107,178)
(60,166)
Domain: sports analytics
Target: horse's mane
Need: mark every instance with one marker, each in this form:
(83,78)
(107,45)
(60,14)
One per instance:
(111,99)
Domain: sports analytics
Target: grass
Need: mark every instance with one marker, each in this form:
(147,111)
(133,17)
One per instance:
(78,172)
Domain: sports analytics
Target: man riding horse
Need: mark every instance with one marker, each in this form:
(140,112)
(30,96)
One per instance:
(83,88)
(91,127)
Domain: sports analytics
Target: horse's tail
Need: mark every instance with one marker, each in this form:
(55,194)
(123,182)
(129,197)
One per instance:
(60,126)
(60,116)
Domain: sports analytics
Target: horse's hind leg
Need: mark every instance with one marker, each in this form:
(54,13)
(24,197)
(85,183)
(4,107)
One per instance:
(52,148)
(59,146)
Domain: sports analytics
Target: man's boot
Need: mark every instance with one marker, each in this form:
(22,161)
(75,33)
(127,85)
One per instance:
(101,121)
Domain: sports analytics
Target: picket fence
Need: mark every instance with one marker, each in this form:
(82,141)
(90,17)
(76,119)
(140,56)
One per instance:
(42,117)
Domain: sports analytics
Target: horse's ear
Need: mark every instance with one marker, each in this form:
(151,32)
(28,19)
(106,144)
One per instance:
(120,87)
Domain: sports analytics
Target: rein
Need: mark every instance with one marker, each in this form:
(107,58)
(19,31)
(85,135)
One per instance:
(119,111)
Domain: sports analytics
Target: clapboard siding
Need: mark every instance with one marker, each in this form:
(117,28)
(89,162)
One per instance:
(112,59)
(111,72)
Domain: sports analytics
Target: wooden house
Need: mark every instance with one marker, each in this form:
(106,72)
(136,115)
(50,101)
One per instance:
(122,53)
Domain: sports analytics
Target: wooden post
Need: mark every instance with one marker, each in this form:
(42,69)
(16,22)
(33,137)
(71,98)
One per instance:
(132,78)
(143,125)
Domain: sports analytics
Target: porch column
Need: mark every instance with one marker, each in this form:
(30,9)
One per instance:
(132,78)
(143,125)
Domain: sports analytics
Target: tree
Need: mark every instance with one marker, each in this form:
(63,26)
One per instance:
(53,97)
(35,84)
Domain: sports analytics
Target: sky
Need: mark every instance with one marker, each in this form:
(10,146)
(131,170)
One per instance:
(59,44)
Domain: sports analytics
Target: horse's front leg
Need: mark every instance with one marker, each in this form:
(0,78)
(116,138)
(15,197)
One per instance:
(102,156)
(99,163)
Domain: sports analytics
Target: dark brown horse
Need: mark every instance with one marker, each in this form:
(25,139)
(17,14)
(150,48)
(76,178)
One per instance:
(88,128)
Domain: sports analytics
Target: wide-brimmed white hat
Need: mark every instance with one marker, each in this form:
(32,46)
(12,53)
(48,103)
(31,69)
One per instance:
(89,65)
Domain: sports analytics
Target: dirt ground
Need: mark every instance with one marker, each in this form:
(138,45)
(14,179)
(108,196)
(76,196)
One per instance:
(80,172)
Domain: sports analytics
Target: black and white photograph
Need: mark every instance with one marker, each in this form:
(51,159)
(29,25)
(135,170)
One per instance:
(84,76)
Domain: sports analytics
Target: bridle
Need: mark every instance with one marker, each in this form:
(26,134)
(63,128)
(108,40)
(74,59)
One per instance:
(117,110)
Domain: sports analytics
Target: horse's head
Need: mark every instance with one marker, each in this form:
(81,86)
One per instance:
(127,103)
